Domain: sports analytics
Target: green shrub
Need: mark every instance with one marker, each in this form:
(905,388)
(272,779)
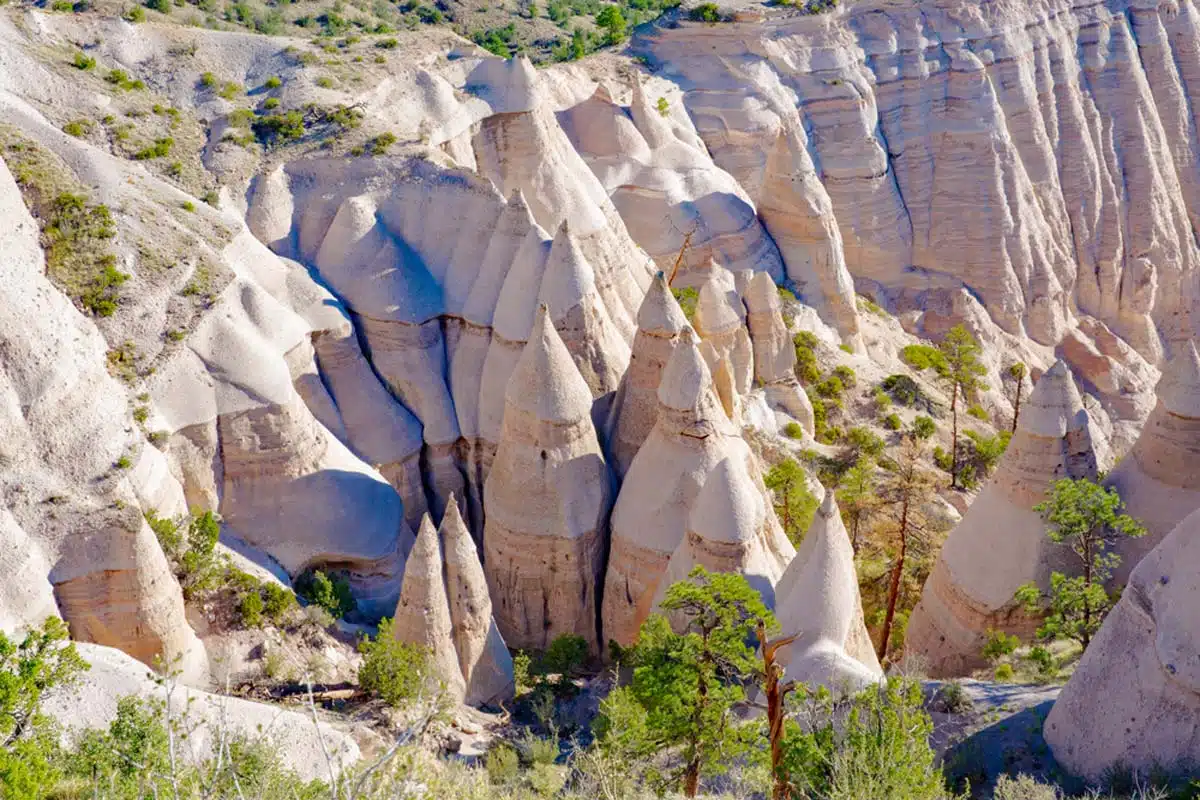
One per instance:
(78,128)
(136,14)
(705,12)
(333,595)
(121,79)
(208,80)
(1003,672)
(273,82)
(160,149)
(271,103)
(279,128)
(846,375)
(952,698)
(805,343)
(188,206)
(831,389)
(794,503)
(251,609)
(924,427)
(503,764)
(231,90)
(393,671)
(325,82)
(903,389)
(83,61)
(978,412)
(687,297)
(380,144)
(141,414)
(999,644)
(892,422)
(565,655)
(663,107)
(211,198)
(923,356)
(278,602)
(793,430)
(123,463)
(390,43)
(863,442)
(161,6)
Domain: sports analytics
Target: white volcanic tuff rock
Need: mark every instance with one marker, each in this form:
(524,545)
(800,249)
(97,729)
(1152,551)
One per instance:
(721,323)
(569,292)
(26,596)
(1134,698)
(1001,542)
(1104,176)
(796,210)
(635,408)
(727,531)
(422,615)
(63,423)
(774,352)
(650,518)
(664,183)
(486,664)
(817,601)
(547,498)
(1160,479)
(378,428)
(294,739)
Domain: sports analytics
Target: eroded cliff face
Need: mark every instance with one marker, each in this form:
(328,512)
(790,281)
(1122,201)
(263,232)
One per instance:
(1041,155)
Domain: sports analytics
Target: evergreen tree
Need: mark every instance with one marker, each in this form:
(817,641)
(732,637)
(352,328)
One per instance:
(857,497)
(1017,372)
(960,372)
(1087,519)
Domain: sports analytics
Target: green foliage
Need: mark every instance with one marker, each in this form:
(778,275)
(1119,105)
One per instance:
(612,21)
(136,14)
(904,390)
(521,672)
(689,684)
(273,82)
(161,6)
(863,443)
(503,764)
(380,144)
(83,61)
(981,452)
(705,12)
(76,236)
(880,751)
(211,198)
(846,375)
(160,149)
(1087,519)
(208,80)
(498,41)
(123,463)
(1003,673)
(807,371)
(687,297)
(924,427)
(978,412)
(78,128)
(952,698)
(793,430)
(333,595)
(391,43)
(276,129)
(893,422)
(251,609)
(566,654)
(794,504)
(231,90)
(394,671)
(922,357)
(999,644)
(663,107)
(121,79)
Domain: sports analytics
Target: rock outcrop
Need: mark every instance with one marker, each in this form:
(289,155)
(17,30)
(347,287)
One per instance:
(486,664)
(1134,698)
(721,322)
(650,518)
(727,531)
(422,615)
(1159,480)
(547,498)
(817,601)
(1001,542)
(774,352)
(635,408)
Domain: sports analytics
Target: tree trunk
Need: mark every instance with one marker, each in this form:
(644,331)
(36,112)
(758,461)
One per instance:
(691,776)
(780,786)
(1017,404)
(854,520)
(894,589)
(954,437)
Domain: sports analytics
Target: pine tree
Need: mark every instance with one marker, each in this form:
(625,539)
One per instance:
(1017,372)
(907,487)
(960,373)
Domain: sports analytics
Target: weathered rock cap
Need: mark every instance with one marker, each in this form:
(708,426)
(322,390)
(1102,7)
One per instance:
(546,383)
(729,508)
(660,313)
(1054,404)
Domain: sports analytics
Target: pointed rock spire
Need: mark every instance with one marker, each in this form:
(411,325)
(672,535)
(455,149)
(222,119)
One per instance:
(1160,478)
(422,616)
(547,498)
(774,352)
(486,664)
(686,377)
(818,602)
(1001,542)
(720,317)
(726,532)
(511,230)
(635,408)
(650,123)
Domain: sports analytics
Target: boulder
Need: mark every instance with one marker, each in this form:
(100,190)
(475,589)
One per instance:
(547,498)
(1001,542)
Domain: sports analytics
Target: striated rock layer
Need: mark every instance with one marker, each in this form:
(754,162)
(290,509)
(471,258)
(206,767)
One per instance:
(1001,542)
(1134,698)
(1044,155)
(1159,480)
(547,498)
